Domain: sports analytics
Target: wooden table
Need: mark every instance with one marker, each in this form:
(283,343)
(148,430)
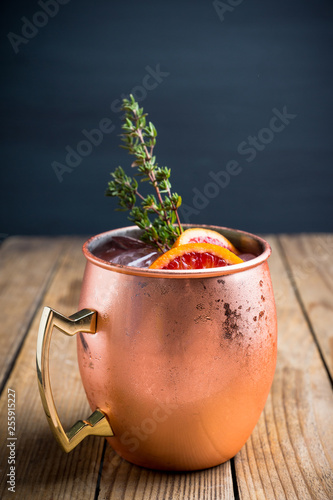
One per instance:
(290,453)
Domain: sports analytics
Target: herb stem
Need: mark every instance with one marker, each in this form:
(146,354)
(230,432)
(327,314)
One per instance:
(155,215)
(151,174)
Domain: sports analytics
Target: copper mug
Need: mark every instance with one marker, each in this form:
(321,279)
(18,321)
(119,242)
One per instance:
(176,365)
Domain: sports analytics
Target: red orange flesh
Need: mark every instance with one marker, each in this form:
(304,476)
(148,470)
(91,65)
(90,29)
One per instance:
(202,235)
(195,256)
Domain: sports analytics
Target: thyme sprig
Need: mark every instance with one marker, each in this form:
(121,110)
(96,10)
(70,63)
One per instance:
(157,215)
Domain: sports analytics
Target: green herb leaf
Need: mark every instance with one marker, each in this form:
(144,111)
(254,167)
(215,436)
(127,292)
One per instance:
(156,216)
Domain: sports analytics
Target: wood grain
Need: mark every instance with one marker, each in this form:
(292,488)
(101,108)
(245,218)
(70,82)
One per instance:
(311,263)
(290,453)
(43,470)
(121,480)
(26,265)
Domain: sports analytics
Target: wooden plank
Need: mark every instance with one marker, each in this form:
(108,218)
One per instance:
(43,471)
(26,265)
(290,453)
(122,480)
(311,264)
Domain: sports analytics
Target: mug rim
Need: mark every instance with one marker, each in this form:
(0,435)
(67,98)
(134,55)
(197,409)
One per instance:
(191,273)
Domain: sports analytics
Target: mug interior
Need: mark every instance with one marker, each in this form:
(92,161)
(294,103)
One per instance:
(244,241)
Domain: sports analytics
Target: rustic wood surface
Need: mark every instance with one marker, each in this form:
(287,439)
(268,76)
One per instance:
(288,456)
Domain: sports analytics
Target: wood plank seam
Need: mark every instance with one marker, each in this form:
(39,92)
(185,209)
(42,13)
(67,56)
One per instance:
(100,469)
(68,475)
(302,306)
(293,473)
(28,326)
(302,474)
(234,479)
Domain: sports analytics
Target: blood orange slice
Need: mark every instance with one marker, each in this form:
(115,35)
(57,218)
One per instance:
(195,256)
(201,235)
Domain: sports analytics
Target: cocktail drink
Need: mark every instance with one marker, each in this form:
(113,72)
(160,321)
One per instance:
(183,359)
(127,251)
(177,364)
(176,342)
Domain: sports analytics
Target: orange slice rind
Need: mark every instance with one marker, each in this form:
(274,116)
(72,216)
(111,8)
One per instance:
(201,235)
(195,256)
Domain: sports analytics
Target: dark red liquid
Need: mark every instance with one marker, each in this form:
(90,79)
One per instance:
(127,251)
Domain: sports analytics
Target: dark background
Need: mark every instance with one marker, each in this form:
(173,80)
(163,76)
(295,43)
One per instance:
(223,78)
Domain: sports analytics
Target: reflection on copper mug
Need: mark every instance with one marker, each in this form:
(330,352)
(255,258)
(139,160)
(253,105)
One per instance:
(176,365)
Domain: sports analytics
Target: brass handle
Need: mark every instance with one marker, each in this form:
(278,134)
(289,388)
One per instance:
(97,424)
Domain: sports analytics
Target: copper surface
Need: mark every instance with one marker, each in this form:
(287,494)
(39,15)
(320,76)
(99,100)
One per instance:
(182,362)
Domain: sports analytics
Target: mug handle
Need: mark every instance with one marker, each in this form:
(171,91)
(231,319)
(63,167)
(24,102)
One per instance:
(97,424)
